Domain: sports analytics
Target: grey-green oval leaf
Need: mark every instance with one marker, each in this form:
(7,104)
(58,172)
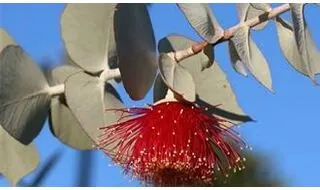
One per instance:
(24,96)
(290,50)
(136,48)
(17,160)
(5,39)
(261,6)
(59,74)
(177,78)
(112,50)
(112,101)
(160,89)
(202,20)
(113,61)
(235,59)
(209,81)
(306,48)
(214,92)
(85,31)
(252,57)
(176,43)
(246,12)
(85,98)
(63,124)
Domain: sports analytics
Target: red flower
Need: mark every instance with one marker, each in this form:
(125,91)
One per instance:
(172,143)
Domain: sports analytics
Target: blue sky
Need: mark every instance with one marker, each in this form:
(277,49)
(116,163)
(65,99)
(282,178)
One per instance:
(287,127)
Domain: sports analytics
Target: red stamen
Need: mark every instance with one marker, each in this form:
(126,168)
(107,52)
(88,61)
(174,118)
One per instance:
(171,144)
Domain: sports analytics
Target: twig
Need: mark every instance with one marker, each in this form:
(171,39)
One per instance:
(228,34)
(106,75)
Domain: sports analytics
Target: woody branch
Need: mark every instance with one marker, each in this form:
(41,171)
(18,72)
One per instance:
(228,33)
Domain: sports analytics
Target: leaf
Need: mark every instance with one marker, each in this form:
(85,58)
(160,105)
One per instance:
(177,78)
(24,95)
(87,106)
(202,20)
(242,9)
(85,30)
(17,160)
(113,61)
(214,89)
(235,59)
(252,57)
(246,12)
(112,100)
(288,45)
(306,48)
(209,82)
(63,124)
(112,50)
(90,112)
(5,39)
(176,43)
(160,89)
(60,73)
(261,6)
(290,50)
(136,48)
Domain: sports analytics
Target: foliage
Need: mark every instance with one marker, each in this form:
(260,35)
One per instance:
(101,52)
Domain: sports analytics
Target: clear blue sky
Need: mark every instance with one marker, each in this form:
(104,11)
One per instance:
(287,127)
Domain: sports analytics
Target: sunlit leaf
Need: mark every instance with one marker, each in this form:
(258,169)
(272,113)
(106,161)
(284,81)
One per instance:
(60,73)
(85,30)
(306,48)
(84,96)
(214,89)
(290,49)
(112,100)
(176,43)
(113,61)
(235,60)
(202,20)
(261,6)
(246,12)
(90,112)
(252,57)
(212,86)
(63,124)
(136,48)
(177,78)
(17,160)
(5,39)
(24,95)
(112,50)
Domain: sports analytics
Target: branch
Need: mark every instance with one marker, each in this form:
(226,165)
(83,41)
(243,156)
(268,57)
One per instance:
(228,34)
(109,74)
(56,90)
(105,76)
